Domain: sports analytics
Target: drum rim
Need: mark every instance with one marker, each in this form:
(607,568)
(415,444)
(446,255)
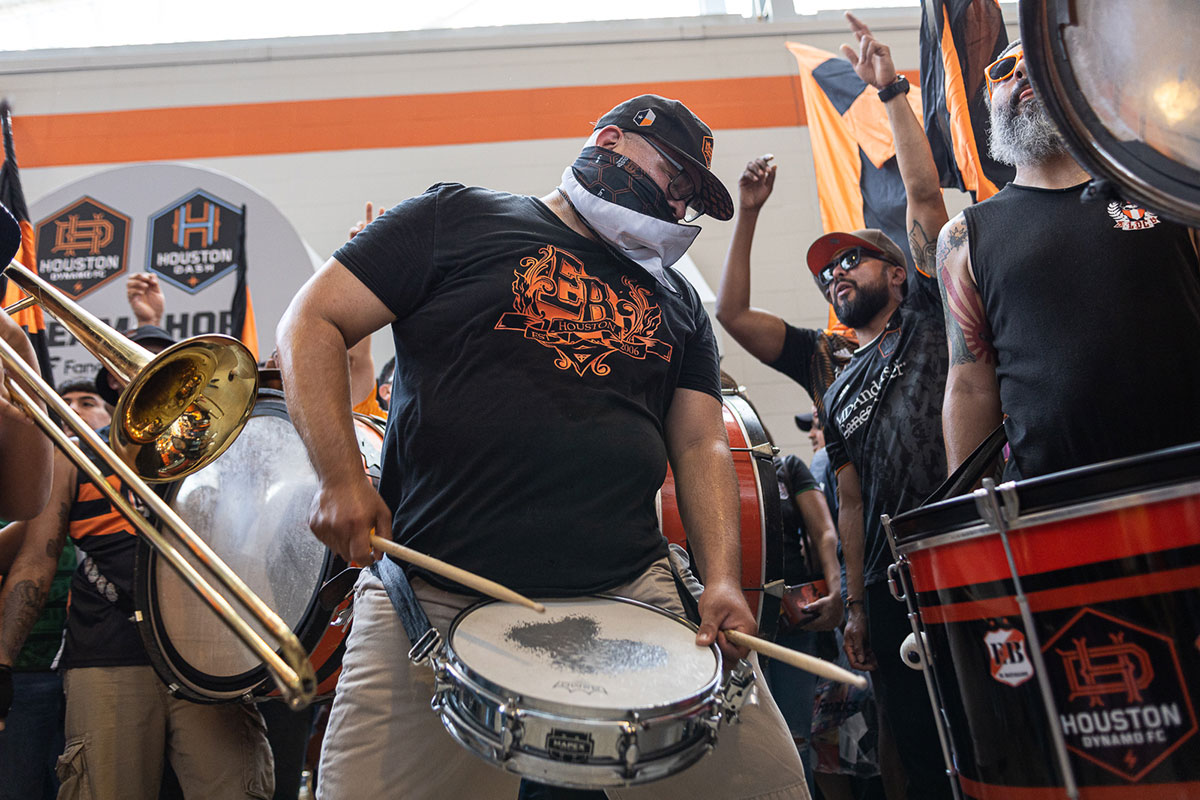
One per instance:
(172,668)
(957,519)
(466,675)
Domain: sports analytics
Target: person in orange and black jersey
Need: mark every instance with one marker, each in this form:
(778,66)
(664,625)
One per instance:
(122,724)
(882,414)
(32,738)
(1050,300)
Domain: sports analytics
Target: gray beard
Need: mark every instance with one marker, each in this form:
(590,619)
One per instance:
(1023,137)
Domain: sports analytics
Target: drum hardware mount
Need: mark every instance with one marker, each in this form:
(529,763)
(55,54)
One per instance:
(512,728)
(764,450)
(998,506)
(737,689)
(343,618)
(427,646)
(899,586)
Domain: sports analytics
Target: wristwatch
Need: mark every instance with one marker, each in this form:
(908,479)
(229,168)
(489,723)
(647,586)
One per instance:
(898,86)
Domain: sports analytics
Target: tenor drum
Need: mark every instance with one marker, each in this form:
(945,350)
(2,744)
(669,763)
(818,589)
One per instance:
(762,525)
(251,506)
(1108,559)
(597,691)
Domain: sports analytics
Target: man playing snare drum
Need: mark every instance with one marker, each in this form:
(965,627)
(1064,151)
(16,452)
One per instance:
(549,363)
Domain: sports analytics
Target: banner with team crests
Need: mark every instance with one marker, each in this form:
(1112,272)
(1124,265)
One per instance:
(183,224)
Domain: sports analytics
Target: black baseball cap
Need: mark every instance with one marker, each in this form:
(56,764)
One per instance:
(673,124)
(146,334)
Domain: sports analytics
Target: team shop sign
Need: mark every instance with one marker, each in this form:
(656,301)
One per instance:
(82,247)
(194,241)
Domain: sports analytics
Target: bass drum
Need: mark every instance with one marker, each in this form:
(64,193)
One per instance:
(1108,559)
(251,506)
(762,524)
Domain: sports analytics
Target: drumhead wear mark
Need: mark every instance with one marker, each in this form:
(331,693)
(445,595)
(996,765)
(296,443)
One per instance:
(573,643)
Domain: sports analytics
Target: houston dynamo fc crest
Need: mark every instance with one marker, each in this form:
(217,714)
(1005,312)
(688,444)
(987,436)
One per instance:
(194,241)
(582,318)
(83,246)
(1122,701)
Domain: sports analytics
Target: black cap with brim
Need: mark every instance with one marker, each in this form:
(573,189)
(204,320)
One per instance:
(146,334)
(804,422)
(672,123)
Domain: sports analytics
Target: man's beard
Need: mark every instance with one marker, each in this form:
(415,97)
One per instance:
(1023,137)
(867,302)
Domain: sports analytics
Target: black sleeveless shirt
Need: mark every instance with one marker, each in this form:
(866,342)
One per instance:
(1095,309)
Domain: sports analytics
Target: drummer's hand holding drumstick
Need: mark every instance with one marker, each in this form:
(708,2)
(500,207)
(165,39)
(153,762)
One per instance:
(723,608)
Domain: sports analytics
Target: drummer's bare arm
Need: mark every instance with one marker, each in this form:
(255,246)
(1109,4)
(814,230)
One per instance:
(25,452)
(41,539)
(707,489)
(759,331)
(818,524)
(971,409)
(850,527)
(362,371)
(329,314)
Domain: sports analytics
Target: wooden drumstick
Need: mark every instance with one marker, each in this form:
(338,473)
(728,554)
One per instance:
(817,666)
(456,574)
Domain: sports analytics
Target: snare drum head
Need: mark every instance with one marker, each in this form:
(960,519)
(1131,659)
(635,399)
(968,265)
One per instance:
(251,506)
(596,653)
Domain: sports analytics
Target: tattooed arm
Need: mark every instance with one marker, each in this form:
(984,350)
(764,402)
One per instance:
(26,587)
(972,405)
(925,209)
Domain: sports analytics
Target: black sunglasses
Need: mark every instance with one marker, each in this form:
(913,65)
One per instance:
(681,187)
(849,262)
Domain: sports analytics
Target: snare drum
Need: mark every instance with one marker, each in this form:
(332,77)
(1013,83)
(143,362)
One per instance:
(595,692)
(1108,559)
(251,506)
(762,523)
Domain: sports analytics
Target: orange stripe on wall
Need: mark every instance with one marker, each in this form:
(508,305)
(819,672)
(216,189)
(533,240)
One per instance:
(420,120)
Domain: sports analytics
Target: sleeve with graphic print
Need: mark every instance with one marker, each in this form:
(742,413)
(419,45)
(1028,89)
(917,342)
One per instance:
(394,255)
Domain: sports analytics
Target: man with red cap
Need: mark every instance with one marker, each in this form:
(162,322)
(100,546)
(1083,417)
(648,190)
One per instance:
(549,364)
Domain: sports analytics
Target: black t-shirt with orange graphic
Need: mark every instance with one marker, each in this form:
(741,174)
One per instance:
(534,372)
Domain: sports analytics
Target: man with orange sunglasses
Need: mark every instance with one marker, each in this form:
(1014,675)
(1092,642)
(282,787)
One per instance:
(1049,297)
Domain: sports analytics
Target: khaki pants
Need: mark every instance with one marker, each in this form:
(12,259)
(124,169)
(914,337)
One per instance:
(121,724)
(384,741)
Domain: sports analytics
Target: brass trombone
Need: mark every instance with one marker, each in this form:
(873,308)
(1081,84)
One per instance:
(178,381)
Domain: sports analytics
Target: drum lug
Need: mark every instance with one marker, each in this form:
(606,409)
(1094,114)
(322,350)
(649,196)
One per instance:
(895,582)
(512,729)
(343,617)
(737,689)
(429,643)
(629,747)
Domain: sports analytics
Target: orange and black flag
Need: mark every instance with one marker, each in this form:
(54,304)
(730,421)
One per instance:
(959,38)
(31,319)
(242,309)
(858,180)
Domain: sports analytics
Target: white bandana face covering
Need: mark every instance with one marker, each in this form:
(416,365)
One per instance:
(654,244)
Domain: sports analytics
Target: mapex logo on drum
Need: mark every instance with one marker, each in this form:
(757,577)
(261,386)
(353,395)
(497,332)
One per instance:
(1007,657)
(1122,698)
(570,746)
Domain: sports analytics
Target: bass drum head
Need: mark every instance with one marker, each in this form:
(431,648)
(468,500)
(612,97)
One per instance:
(1122,84)
(251,507)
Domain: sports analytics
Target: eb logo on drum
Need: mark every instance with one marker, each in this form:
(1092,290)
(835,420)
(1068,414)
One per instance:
(1008,658)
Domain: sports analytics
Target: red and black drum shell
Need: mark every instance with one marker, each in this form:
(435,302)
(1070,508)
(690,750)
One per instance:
(761,519)
(1109,558)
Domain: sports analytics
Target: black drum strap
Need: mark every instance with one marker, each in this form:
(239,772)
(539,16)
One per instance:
(976,466)
(416,624)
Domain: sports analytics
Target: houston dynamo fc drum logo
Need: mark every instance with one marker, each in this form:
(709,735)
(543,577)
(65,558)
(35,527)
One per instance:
(1122,700)
(582,318)
(195,241)
(82,247)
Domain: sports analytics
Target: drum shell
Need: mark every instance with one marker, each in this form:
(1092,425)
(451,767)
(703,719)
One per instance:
(758,497)
(1109,558)
(479,714)
(325,642)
